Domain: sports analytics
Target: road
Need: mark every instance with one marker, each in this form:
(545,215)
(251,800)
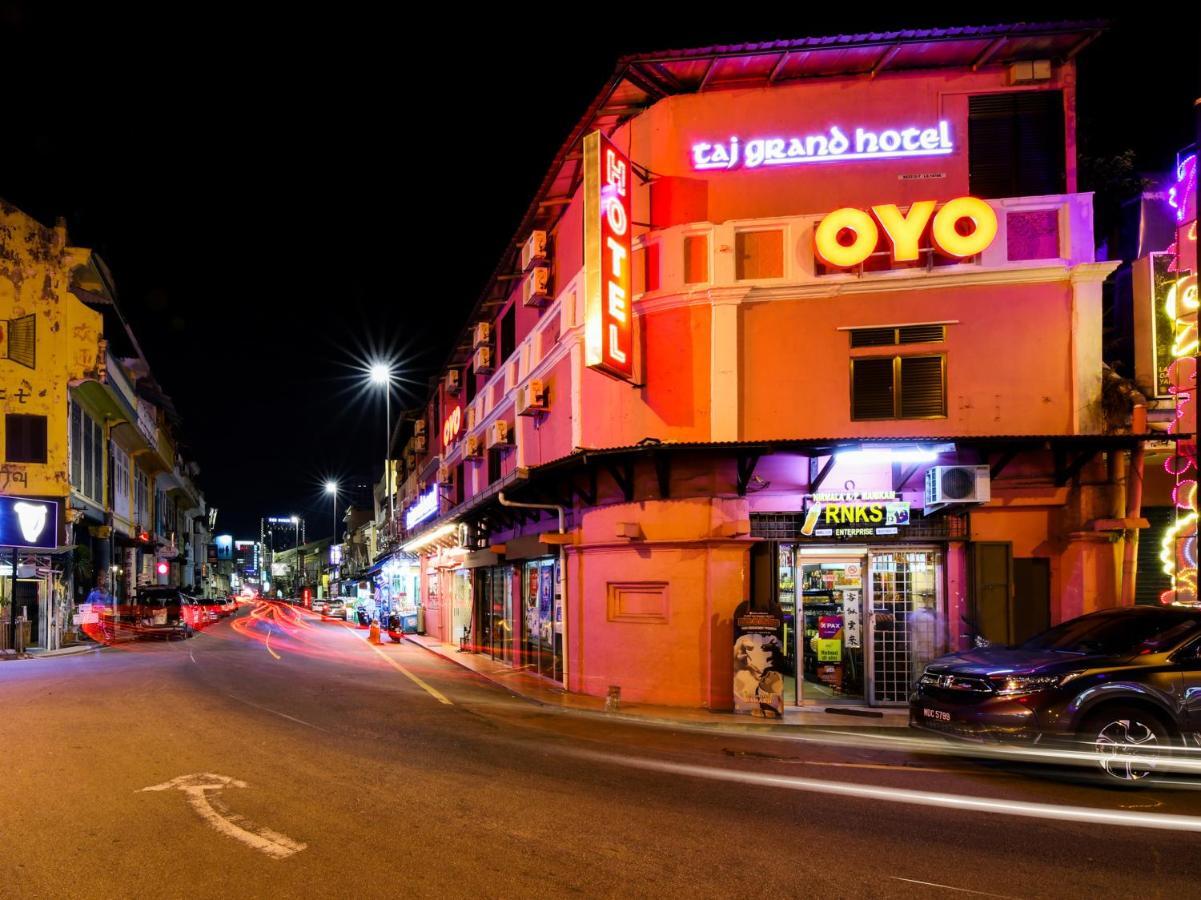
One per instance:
(353,771)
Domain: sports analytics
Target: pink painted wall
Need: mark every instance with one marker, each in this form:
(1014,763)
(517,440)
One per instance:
(1000,377)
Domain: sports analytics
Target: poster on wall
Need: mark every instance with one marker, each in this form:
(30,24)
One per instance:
(758,662)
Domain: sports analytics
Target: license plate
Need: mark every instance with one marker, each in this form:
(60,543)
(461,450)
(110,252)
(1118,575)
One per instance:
(936,714)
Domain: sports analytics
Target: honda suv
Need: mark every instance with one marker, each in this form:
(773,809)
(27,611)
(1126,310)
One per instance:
(1123,682)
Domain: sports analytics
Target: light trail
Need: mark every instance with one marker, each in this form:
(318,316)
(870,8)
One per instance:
(908,796)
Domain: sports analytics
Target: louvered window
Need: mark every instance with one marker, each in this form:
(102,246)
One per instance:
(905,334)
(1016,144)
(898,387)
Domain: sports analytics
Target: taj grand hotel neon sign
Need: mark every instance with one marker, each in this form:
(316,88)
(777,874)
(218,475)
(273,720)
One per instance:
(825,146)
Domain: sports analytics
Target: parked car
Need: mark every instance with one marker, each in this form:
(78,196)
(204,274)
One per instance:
(1122,682)
(158,611)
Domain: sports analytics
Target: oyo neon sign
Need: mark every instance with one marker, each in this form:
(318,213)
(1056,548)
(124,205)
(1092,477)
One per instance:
(963,227)
(832,146)
(452,425)
(608,285)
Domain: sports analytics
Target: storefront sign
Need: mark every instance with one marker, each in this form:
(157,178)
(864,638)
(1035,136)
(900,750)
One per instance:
(758,662)
(25,522)
(834,145)
(608,315)
(960,229)
(425,508)
(452,426)
(854,514)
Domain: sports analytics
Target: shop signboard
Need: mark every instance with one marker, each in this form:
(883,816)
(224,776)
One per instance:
(452,425)
(28,522)
(426,507)
(758,662)
(608,282)
(839,143)
(854,514)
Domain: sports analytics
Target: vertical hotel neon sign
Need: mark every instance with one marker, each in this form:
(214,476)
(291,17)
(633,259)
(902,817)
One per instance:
(608,313)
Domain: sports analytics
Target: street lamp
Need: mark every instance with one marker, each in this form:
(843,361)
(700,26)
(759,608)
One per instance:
(381,374)
(331,488)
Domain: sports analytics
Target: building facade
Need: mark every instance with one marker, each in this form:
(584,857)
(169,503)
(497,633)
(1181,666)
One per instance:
(88,430)
(811,328)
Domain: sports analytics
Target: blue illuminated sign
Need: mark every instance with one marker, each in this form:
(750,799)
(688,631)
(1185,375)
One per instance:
(425,508)
(25,522)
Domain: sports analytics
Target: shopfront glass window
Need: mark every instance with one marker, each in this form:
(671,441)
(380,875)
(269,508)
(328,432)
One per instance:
(542,643)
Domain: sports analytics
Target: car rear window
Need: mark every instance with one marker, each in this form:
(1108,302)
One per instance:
(1117,634)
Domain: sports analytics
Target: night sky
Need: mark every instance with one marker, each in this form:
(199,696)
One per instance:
(280,198)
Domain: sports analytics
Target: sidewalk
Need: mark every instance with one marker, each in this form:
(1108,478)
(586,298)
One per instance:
(539,690)
(39,653)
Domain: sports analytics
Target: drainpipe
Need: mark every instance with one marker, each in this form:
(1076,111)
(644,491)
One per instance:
(1134,499)
(562,564)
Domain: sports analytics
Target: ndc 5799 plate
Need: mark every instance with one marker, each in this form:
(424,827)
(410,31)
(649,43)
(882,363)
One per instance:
(937,714)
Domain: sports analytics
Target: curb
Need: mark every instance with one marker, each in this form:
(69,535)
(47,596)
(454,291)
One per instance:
(761,728)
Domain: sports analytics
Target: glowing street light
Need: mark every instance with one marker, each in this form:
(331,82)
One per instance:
(331,488)
(381,374)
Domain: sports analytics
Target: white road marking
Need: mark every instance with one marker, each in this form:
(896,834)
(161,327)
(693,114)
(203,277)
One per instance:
(965,803)
(947,887)
(196,788)
(432,691)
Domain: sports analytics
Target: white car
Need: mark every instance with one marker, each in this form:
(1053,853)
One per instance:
(335,610)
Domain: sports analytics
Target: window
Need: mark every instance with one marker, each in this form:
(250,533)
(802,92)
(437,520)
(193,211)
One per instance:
(142,485)
(76,442)
(508,334)
(87,454)
(469,384)
(1016,144)
(903,334)
(460,485)
(759,254)
(898,387)
(493,465)
(696,258)
(25,438)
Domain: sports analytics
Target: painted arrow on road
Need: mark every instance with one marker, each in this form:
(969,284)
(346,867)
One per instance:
(202,788)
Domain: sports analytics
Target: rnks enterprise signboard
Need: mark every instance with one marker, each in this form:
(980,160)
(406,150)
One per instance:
(852,514)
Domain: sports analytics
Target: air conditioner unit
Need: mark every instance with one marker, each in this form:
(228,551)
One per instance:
(499,433)
(419,442)
(533,251)
(482,362)
(419,426)
(472,448)
(1030,71)
(531,398)
(470,422)
(956,485)
(535,290)
(453,381)
(444,475)
(482,335)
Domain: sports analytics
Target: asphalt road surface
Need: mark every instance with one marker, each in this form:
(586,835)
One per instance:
(289,758)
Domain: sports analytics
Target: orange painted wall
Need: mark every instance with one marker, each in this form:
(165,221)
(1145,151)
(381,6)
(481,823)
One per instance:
(999,378)
(673,403)
(662,138)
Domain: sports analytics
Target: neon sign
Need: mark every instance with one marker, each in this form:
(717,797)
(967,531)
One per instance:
(425,507)
(452,426)
(1182,195)
(608,314)
(962,228)
(834,146)
(28,523)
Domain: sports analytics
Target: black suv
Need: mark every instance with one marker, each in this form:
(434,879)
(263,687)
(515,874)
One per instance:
(1124,682)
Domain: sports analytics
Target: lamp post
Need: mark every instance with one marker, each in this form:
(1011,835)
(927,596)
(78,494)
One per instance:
(331,488)
(381,374)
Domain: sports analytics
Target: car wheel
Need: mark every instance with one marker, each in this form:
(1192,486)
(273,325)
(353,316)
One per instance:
(1127,741)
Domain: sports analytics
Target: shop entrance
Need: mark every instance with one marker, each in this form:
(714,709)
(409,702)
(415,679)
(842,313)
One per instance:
(860,625)
(542,619)
(494,612)
(831,656)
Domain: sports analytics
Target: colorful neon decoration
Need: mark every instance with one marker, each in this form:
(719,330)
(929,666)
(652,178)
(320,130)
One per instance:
(960,229)
(1178,547)
(1183,194)
(608,284)
(832,146)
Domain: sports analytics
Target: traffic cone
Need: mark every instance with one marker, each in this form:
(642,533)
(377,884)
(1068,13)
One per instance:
(373,633)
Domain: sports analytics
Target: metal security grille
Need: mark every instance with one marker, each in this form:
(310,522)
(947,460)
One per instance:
(904,618)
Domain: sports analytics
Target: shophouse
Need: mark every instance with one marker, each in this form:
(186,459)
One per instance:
(813,325)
